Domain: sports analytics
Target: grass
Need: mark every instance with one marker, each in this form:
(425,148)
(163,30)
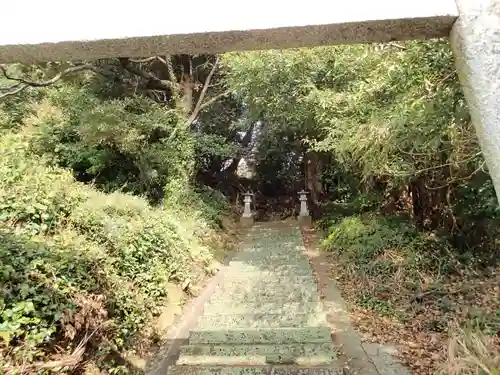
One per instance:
(471,353)
(412,288)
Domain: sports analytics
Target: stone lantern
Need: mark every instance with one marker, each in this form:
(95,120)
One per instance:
(304,217)
(247,216)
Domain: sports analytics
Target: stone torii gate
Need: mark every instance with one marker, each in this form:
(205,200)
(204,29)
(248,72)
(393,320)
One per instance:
(53,30)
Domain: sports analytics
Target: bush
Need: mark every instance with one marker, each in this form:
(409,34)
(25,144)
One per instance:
(361,239)
(388,262)
(75,261)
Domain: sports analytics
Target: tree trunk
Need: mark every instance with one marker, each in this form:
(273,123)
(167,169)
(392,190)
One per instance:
(313,166)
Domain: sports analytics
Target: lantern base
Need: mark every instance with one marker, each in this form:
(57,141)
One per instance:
(304,221)
(246,221)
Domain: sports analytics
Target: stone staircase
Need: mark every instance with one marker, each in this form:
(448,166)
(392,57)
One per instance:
(265,317)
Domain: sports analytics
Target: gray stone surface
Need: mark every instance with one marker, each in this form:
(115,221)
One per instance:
(268,313)
(286,265)
(246,222)
(264,295)
(384,359)
(295,350)
(262,308)
(475,39)
(250,321)
(258,354)
(253,370)
(265,277)
(285,370)
(262,335)
(67,35)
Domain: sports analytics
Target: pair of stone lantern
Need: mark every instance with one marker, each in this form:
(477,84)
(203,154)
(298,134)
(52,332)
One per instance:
(247,217)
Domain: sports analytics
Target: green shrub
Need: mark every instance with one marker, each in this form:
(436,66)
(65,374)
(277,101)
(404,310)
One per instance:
(361,241)
(74,260)
(362,238)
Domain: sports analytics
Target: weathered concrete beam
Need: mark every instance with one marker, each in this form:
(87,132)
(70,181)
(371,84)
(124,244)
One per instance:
(54,30)
(475,40)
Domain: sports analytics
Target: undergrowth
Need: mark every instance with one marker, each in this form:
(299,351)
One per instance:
(416,285)
(83,273)
(471,353)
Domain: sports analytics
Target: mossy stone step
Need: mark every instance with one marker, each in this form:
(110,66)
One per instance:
(270,254)
(270,264)
(268,261)
(256,278)
(262,321)
(257,274)
(268,283)
(264,308)
(254,370)
(254,360)
(273,266)
(261,336)
(311,354)
(268,271)
(260,290)
(276,297)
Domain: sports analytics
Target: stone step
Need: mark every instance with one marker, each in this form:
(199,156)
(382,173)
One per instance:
(247,284)
(261,336)
(262,273)
(256,278)
(246,287)
(264,308)
(268,260)
(282,250)
(300,354)
(262,297)
(271,269)
(254,370)
(268,269)
(271,253)
(271,265)
(262,321)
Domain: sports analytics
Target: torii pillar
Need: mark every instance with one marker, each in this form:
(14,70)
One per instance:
(475,39)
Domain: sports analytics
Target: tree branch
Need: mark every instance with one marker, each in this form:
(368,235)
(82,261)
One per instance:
(153,82)
(51,81)
(167,62)
(420,171)
(454,181)
(213,100)
(148,59)
(394,44)
(23,83)
(170,68)
(13,90)
(199,105)
(9,88)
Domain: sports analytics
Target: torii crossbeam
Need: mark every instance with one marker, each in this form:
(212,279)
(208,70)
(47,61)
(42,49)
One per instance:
(55,30)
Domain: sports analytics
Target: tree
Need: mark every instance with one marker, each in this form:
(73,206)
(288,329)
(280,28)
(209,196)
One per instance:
(392,116)
(143,116)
